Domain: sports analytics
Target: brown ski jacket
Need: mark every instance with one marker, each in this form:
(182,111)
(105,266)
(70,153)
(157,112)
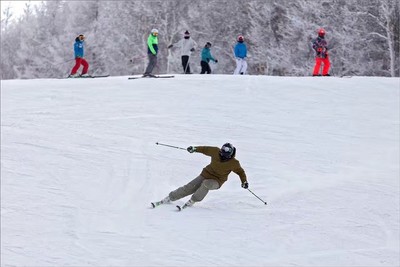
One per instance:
(217,169)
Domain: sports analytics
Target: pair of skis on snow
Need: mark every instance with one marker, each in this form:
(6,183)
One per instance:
(158,203)
(90,76)
(129,78)
(152,76)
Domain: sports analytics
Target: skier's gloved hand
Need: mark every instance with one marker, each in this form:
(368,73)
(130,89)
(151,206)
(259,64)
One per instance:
(192,50)
(170,46)
(191,149)
(216,61)
(245,185)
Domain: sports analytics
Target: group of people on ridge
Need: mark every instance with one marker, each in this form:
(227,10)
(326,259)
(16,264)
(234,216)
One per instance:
(187,46)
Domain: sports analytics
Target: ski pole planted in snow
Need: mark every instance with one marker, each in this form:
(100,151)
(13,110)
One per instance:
(170,146)
(257,196)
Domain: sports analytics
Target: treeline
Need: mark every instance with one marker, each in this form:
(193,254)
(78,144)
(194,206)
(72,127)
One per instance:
(363,35)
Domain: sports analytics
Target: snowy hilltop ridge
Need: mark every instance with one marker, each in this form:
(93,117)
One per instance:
(79,168)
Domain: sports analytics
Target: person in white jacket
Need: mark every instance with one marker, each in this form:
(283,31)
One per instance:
(187,46)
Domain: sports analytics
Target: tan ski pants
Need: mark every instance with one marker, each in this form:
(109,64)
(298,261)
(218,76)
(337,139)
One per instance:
(199,187)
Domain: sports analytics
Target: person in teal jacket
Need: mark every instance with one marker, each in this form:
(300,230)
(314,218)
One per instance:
(205,59)
(152,51)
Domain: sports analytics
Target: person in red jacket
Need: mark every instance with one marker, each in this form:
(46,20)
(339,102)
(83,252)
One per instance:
(321,54)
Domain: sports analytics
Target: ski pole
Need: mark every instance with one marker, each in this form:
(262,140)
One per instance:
(257,196)
(170,146)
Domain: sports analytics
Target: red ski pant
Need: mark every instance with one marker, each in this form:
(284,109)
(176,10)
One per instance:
(78,62)
(317,66)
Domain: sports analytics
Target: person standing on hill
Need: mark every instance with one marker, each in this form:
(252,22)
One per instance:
(152,50)
(213,176)
(240,56)
(205,59)
(79,60)
(321,54)
(187,45)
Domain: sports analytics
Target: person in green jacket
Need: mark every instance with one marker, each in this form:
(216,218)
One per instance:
(152,50)
(213,176)
(205,59)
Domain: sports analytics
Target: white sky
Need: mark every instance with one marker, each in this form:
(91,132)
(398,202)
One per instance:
(17,7)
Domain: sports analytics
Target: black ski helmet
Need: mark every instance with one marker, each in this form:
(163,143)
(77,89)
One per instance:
(227,151)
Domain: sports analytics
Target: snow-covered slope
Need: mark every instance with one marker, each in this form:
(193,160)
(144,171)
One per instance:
(79,168)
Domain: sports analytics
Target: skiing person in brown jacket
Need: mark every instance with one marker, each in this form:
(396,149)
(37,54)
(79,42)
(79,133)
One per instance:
(212,177)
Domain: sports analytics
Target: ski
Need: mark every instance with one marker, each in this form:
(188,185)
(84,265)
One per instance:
(158,203)
(155,204)
(86,77)
(155,76)
(98,76)
(95,76)
(341,76)
(180,208)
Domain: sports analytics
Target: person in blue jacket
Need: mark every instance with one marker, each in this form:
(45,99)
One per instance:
(240,56)
(79,60)
(205,59)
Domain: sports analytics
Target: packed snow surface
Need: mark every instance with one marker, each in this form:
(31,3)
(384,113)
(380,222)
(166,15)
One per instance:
(80,166)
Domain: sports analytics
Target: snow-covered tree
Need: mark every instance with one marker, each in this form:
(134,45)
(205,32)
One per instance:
(363,36)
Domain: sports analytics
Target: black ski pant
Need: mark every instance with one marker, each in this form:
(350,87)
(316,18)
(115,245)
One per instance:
(205,67)
(152,63)
(185,65)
